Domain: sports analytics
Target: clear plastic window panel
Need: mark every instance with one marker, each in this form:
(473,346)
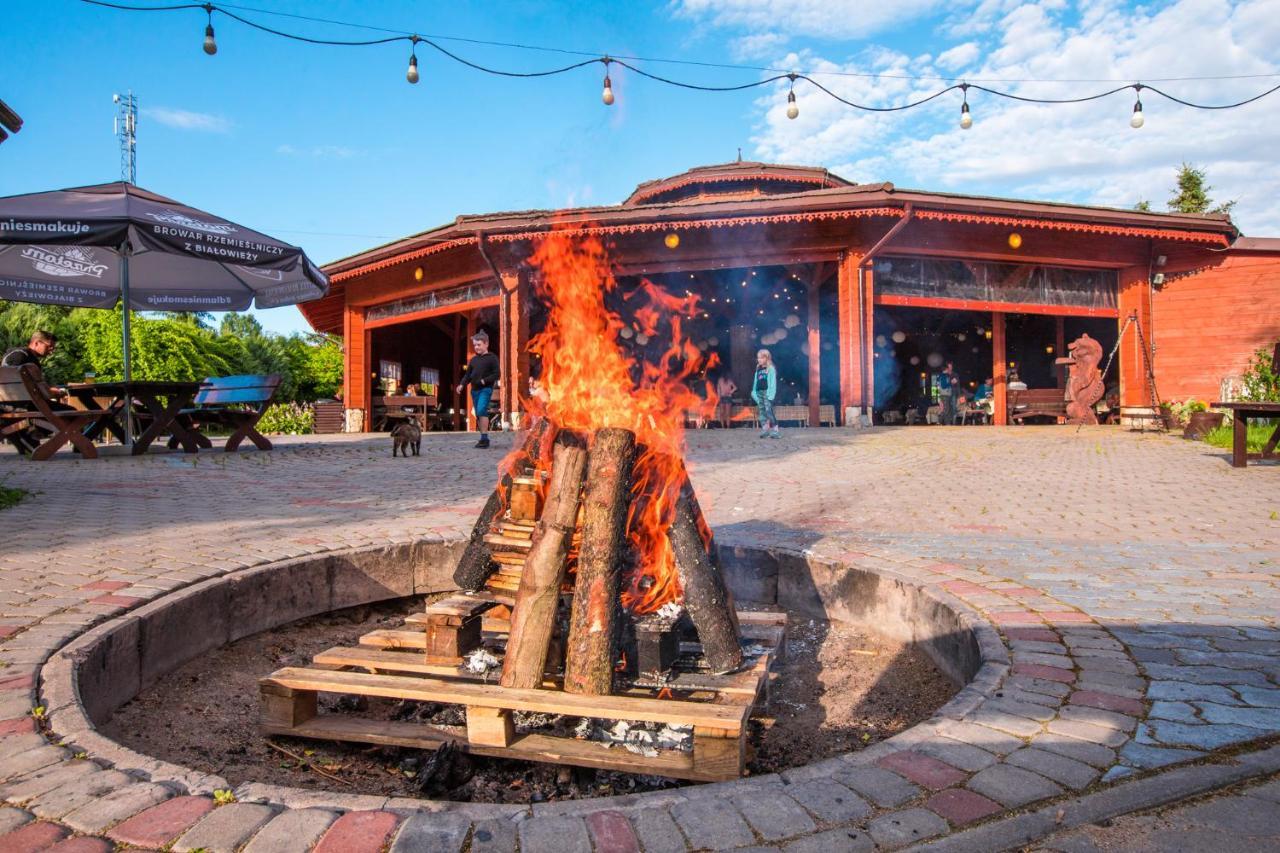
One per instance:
(982,281)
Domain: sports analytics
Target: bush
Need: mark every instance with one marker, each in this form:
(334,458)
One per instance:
(1259,435)
(10,496)
(1260,383)
(288,419)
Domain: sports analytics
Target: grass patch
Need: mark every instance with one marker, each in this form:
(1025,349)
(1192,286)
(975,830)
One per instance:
(1259,435)
(10,496)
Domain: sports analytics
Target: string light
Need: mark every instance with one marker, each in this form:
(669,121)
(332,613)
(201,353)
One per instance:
(966,117)
(412,74)
(210,43)
(1136,120)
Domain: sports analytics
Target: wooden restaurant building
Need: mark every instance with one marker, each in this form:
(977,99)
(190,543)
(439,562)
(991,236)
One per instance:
(861,291)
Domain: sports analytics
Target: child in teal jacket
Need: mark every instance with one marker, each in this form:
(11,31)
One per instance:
(764,387)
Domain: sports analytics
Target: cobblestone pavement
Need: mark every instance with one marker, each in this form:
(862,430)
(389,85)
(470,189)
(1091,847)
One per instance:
(1134,579)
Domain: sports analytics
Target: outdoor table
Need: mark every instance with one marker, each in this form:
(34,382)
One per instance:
(395,407)
(1240,454)
(145,397)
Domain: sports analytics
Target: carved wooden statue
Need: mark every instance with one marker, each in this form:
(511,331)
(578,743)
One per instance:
(1084,380)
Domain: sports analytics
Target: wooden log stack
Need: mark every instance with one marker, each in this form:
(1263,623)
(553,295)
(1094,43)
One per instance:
(586,503)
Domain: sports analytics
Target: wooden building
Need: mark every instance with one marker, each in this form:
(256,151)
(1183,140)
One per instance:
(862,290)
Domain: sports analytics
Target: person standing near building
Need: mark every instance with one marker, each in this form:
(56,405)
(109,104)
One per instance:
(764,387)
(482,374)
(947,393)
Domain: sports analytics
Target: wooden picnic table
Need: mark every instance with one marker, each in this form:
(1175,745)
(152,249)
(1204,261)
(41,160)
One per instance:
(395,407)
(1240,454)
(159,401)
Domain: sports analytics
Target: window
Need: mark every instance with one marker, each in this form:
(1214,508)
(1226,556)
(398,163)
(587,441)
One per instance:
(981,281)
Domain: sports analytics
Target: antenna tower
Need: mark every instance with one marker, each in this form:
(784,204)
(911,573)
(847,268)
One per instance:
(127,133)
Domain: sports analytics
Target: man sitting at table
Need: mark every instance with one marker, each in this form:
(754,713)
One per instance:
(40,345)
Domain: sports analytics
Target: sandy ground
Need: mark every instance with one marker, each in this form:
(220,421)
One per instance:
(840,689)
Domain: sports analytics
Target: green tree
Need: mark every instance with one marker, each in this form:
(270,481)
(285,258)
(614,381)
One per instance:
(1144,206)
(1192,193)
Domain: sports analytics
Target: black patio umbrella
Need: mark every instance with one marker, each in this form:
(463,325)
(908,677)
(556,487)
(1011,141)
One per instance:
(93,246)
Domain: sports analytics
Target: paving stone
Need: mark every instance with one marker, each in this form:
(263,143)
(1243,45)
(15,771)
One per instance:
(955,753)
(921,769)
(1207,737)
(1108,702)
(1269,791)
(1051,765)
(293,831)
(1098,717)
(611,832)
(1088,732)
(1012,786)
(898,829)
(774,815)
(1145,756)
(497,836)
(11,819)
(1206,675)
(225,829)
(849,840)
(830,801)
(359,832)
(116,806)
(32,837)
(17,763)
(82,845)
(159,825)
(961,806)
(1177,690)
(881,787)
(1019,726)
(1260,697)
(1030,710)
(1182,712)
(712,823)
(37,782)
(1258,718)
(985,737)
(656,830)
(52,805)
(554,835)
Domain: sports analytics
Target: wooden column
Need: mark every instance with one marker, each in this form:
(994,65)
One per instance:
(815,350)
(847,314)
(1060,349)
(355,383)
(1134,297)
(459,360)
(999,370)
(466,356)
(504,347)
(868,396)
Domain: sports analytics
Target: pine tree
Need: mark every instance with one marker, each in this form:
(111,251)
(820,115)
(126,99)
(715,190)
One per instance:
(1193,193)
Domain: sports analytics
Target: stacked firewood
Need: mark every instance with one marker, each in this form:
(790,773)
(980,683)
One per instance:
(531,534)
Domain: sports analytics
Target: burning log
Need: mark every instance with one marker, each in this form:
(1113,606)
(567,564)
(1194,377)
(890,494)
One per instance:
(476,564)
(533,617)
(706,596)
(589,664)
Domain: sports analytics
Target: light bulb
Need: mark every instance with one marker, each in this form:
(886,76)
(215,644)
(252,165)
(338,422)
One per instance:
(607,94)
(1136,120)
(412,74)
(210,45)
(792,109)
(966,118)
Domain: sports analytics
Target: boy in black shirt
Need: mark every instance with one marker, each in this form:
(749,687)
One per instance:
(482,375)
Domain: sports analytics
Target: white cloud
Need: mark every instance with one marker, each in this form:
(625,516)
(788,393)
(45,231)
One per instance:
(827,19)
(187,120)
(757,45)
(1080,152)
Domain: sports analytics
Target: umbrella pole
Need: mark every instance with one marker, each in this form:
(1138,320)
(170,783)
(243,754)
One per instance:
(124,296)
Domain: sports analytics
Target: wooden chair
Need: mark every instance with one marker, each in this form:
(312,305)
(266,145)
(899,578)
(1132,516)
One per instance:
(39,424)
(234,401)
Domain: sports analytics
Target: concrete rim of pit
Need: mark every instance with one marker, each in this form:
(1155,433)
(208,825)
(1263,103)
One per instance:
(86,680)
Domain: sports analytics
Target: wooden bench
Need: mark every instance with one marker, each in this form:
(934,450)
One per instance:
(237,402)
(36,422)
(1037,402)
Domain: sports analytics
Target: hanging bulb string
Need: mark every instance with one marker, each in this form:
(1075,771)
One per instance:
(211,8)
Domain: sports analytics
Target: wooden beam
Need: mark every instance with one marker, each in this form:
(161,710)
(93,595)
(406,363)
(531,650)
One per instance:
(1060,348)
(427,313)
(1000,394)
(1003,307)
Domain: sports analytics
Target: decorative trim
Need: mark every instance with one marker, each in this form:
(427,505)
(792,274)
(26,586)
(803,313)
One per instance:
(1084,227)
(401,259)
(639,196)
(433,300)
(692,224)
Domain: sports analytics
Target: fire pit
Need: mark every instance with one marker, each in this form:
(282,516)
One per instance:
(590,584)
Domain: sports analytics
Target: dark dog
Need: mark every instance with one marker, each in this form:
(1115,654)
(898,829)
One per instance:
(405,437)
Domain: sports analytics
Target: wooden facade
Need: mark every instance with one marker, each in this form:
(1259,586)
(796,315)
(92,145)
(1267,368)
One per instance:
(828,235)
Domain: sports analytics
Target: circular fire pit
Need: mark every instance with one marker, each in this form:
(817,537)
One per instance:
(869,655)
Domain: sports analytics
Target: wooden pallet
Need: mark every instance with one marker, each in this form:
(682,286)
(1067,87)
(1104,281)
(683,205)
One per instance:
(391,664)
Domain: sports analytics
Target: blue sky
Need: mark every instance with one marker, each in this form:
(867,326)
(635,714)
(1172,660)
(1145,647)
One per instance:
(331,149)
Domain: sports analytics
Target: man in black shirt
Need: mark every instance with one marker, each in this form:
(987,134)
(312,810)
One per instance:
(483,372)
(41,344)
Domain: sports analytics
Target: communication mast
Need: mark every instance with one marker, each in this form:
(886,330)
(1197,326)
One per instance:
(127,133)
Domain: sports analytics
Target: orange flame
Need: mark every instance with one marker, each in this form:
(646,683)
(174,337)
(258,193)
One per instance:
(590,382)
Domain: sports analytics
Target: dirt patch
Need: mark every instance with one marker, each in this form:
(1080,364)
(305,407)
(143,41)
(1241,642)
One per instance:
(840,690)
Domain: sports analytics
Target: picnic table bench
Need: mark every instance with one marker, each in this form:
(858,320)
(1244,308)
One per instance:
(1240,430)
(237,402)
(37,423)
(1037,402)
